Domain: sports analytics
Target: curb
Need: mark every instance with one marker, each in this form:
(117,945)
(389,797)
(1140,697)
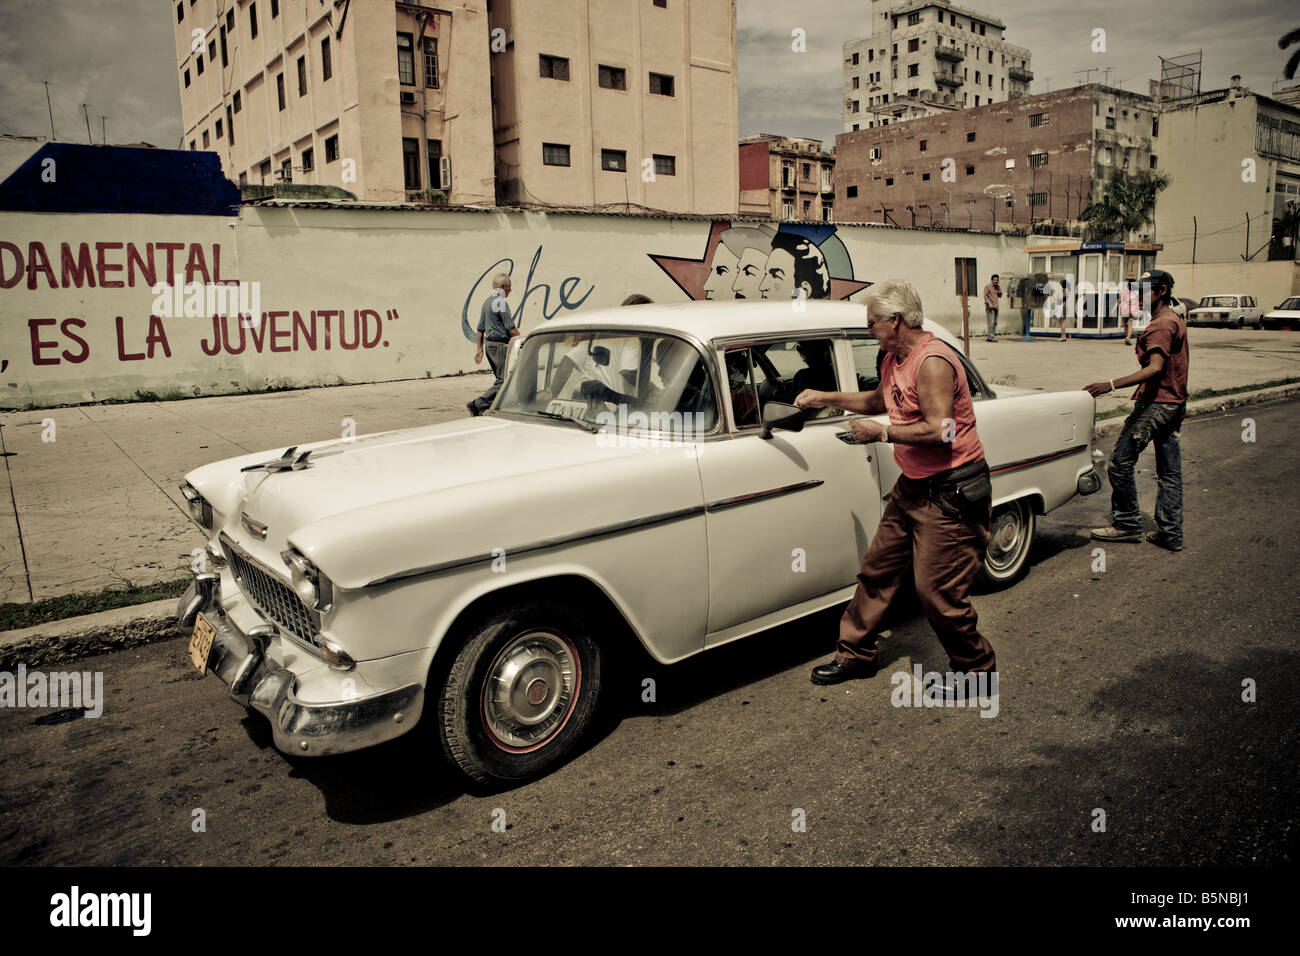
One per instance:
(1111,427)
(75,638)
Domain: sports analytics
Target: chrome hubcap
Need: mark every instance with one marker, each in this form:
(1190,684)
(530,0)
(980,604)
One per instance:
(1005,540)
(530,690)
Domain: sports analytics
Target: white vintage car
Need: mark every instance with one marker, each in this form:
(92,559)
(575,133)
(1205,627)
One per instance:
(624,489)
(1227,311)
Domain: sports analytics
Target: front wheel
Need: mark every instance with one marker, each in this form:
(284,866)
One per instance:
(1011,535)
(519,693)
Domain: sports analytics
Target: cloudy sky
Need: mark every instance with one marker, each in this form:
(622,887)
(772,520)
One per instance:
(116,56)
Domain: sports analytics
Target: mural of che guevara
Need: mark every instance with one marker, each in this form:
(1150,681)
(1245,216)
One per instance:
(762,261)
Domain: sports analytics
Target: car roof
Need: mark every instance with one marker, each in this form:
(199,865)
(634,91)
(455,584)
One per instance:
(709,320)
(1224,295)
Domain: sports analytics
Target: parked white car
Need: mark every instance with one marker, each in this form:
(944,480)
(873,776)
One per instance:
(624,490)
(1226,311)
(1285,316)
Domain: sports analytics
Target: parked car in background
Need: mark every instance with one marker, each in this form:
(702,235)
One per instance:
(1226,311)
(1285,316)
(640,485)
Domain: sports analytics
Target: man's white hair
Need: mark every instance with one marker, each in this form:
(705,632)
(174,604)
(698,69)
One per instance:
(501,280)
(884,299)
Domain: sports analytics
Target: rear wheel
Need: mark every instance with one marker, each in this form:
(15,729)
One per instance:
(1011,535)
(519,693)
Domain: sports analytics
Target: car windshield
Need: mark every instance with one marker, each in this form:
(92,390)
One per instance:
(626,379)
(1218,302)
(1291,304)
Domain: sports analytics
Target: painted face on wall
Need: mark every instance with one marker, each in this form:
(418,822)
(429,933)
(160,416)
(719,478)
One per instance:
(778,275)
(722,272)
(749,274)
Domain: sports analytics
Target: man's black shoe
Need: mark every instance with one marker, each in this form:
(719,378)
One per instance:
(834,673)
(473,410)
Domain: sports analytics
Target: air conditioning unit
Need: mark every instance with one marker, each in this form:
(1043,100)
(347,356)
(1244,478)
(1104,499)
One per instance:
(444,172)
(408,98)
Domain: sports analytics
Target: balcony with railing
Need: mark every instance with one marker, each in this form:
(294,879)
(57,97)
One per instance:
(949,53)
(945,78)
(1020,73)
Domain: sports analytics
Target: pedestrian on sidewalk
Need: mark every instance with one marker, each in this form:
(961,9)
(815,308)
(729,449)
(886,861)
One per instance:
(496,328)
(938,516)
(992,293)
(1159,406)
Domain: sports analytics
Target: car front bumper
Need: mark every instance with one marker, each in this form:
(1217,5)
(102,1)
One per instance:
(259,683)
(1088,482)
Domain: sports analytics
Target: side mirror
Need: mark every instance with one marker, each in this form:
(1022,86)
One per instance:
(781,415)
(600,354)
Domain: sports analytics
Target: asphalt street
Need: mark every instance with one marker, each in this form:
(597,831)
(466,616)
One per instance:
(1121,691)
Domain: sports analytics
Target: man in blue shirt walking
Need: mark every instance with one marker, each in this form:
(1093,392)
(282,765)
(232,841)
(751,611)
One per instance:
(496,328)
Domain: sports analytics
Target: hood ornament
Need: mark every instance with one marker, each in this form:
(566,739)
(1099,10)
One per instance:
(286,462)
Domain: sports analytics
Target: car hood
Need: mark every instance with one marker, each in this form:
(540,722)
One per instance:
(379,504)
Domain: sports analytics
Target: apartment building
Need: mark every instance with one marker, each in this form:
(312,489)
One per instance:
(923,58)
(617,104)
(786,178)
(1019,161)
(569,103)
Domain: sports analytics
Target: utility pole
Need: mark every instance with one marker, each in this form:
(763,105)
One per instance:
(86,112)
(103,126)
(51,108)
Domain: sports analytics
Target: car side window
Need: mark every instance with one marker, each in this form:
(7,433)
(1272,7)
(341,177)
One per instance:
(867,356)
(778,372)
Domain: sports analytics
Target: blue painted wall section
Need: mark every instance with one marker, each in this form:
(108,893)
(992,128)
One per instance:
(69,177)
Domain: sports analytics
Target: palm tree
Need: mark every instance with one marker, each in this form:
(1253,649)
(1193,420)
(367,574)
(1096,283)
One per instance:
(1293,63)
(1127,205)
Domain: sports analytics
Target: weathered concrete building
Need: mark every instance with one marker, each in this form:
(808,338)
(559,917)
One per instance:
(546,102)
(786,178)
(1024,160)
(924,58)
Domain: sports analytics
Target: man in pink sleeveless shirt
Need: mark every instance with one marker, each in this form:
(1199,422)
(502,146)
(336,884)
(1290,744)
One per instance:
(940,509)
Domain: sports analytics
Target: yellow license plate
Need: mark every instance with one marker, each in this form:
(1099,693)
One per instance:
(201,643)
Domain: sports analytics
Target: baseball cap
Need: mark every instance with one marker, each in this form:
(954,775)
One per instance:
(1155,276)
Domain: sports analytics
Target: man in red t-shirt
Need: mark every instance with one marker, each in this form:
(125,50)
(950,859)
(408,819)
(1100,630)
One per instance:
(1159,406)
(929,524)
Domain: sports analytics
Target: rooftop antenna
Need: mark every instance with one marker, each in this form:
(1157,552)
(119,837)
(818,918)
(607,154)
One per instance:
(86,113)
(51,108)
(103,128)
(1088,78)
(1105,75)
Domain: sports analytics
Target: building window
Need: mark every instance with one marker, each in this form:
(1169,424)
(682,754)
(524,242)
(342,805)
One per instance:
(662,4)
(212,51)
(925,177)
(405,59)
(873,153)
(331,148)
(1038,199)
(856,106)
(180,12)
(193,145)
(661,84)
(279,89)
(435,163)
(236,101)
(612,77)
(924,143)
(913,69)
(1153,162)
(230,20)
(913,45)
(787,210)
(199,64)
(807,208)
(855,83)
(970,137)
(826,213)
(1155,126)
(286,171)
(326,64)
(230,126)
(851,192)
(187,77)
(805,170)
(205,139)
(613,160)
(308,160)
(1039,119)
(218,128)
(977,99)
(1110,122)
(977,76)
(856,127)
(411,162)
(252,32)
(225,59)
(553,67)
(302,76)
(970,170)
(1037,159)
(555,154)
(275,9)
(889,180)
(665,165)
(431,62)
(855,59)
(913,19)
(265,170)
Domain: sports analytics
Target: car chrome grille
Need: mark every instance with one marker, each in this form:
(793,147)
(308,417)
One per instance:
(276,600)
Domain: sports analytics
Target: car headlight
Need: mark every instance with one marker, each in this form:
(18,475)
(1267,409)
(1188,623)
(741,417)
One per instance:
(308,582)
(200,508)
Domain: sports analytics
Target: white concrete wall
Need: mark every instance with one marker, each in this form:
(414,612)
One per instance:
(416,273)
(1268,282)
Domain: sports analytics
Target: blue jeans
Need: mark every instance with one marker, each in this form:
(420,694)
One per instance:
(991,319)
(496,353)
(1150,422)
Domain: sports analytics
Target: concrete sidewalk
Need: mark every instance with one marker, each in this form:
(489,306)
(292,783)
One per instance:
(99,505)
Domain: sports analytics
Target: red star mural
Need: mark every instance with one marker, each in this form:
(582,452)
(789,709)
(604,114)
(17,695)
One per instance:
(691,274)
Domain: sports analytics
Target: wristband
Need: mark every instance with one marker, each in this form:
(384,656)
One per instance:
(884,434)
(1112,385)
